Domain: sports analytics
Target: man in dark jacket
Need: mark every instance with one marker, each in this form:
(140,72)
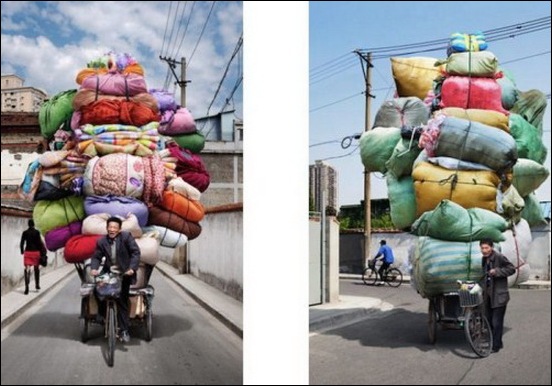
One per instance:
(497,268)
(119,248)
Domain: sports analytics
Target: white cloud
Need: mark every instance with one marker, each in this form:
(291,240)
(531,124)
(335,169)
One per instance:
(53,41)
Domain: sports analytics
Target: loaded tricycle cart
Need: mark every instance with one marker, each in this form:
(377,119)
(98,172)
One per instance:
(462,309)
(140,302)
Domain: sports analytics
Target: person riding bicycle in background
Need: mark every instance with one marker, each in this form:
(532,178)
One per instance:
(120,249)
(388,258)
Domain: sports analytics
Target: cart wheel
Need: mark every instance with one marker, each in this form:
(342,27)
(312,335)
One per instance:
(84,322)
(149,326)
(369,276)
(432,323)
(394,277)
(478,332)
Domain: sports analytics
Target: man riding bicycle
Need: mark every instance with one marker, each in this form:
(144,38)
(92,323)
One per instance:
(388,258)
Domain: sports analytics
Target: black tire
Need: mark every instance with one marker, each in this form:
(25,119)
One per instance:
(148,319)
(478,332)
(369,276)
(111,336)
(432,323)
(84,322)
(394,277)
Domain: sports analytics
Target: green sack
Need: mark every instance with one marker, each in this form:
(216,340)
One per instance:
(376,147)
(400,112)
(510,204)
(532,212)
(451,222)
(439,264)
(528,176)
(510,93)
(402,158)
(479,64)
(402,201)
(528,139)
(193,142)
(531,106)
(55,111)
(49,215)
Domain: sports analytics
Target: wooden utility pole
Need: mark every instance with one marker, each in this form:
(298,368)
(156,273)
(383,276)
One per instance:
(366,63)
(182,82)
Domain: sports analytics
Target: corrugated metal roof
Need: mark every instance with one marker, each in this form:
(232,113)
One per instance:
(545,209)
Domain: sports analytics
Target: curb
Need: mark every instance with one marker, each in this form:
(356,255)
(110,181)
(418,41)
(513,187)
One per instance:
(6,320)
(341,320)
(238,330)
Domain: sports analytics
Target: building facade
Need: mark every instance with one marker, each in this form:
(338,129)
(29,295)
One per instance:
(323,177)
(18,98)
(223,158)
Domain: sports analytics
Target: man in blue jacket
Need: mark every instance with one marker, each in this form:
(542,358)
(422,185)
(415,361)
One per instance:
(388,258)
(120,249)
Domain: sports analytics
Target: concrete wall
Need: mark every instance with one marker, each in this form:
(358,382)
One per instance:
(329,268)
(539,253)
(13,169)
(12,260)
(351,249)
(332,262)
(315,267)
(216,256)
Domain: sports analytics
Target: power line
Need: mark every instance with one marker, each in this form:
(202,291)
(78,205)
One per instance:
(236,50)
(353,64)
(185,29)
(166,27)
(328,62)
(526,57)
(179,27)
(336,102)
(346,98)
(172,28)
(338,65)
(342,156)
(201,34)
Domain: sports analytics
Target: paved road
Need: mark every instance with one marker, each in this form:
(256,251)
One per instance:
(189,346)
(392,347)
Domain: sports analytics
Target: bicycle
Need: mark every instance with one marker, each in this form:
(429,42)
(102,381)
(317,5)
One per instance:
(462,310)
(392,275)
(108,289)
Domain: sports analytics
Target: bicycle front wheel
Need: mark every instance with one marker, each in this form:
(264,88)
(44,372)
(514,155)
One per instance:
(478,332)
(111,336)
(369,276)
(394,277)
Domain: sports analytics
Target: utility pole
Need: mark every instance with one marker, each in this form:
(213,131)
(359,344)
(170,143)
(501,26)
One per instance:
(366,60)
(182,82)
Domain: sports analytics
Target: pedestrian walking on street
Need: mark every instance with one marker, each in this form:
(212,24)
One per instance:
(497,268)
(32,247)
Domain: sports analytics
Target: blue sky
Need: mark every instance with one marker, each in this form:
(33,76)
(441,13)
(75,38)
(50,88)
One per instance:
(48,42)
(337,28)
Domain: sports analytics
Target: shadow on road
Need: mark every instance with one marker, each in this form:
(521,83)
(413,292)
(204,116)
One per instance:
(66,326)
(404,328)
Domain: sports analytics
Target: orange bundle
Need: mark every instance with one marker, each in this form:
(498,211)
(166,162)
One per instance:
(117,111)
(85,97)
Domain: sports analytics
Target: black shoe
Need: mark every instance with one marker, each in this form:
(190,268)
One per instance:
(26,291)
(124,336)
(37,288)
(494,350)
